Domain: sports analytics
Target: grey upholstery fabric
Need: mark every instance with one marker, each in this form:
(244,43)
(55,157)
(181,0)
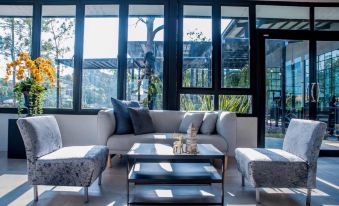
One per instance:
(165,121)
(209,123)
(303,138)
(71,166)
(123,123)
(191,118)
(141,121)
(121,144)
(50,164)
(294,166)
(271,167)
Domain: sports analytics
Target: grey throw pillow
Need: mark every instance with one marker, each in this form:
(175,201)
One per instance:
(141,120)
(123,120)
(191,118)
(209,123)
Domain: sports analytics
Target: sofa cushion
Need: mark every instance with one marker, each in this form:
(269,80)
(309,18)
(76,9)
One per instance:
(141,120)
(209,123)
(121,144)
(123,120)
(268,167)
(191,118)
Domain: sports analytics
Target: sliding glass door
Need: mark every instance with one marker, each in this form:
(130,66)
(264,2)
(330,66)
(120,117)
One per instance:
(287,85)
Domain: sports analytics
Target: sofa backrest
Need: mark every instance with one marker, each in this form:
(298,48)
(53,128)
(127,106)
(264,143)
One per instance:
(165,121)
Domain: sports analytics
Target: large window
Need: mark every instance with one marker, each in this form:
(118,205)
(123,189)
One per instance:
(15,37)
(57,44)
(283,17)
(145,55)
(234,47)
(100,65)
(197,47)
(196,102)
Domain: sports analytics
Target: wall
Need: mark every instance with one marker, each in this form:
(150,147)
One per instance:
(81,130)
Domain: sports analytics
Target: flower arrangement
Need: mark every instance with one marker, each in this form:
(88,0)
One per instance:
(32,76)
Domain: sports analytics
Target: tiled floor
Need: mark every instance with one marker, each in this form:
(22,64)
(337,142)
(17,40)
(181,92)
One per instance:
(14,189)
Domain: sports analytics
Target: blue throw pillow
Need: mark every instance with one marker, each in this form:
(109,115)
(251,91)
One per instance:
(122,118)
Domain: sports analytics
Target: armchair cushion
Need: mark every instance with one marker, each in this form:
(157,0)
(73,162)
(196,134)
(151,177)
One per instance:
(272,167)
(71,166)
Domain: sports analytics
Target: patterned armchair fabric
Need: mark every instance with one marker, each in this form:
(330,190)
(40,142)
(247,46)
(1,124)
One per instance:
(51,164)
(294,166)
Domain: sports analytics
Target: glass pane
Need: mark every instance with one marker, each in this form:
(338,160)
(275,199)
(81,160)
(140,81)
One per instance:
(328,81)
(283,17)
(100,65)
(236,103)
(197,47)
(326,18)
(234,47)
(287,86)
(15,37)
(145,55)
(57,44)
(196,102)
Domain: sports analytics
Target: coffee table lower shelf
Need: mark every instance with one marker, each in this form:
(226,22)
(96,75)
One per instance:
(174,183)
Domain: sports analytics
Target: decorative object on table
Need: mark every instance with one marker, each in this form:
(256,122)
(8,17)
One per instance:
(32,75)
(178,145)
(192,139)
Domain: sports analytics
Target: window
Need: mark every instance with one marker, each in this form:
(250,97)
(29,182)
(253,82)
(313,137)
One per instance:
(145,55)
(197,47)
(15,37)
(196,102)
(57,44)
(283,17)
(326,18)
(236,103)
(234,47)
(100,64)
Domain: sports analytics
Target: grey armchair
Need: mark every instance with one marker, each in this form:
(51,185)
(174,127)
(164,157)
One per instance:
(49,163)
(295,166)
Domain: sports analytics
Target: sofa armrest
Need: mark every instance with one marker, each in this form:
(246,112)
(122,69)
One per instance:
(227,128)
(105,125)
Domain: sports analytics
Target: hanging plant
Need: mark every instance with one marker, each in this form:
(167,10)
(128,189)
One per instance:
(34,77)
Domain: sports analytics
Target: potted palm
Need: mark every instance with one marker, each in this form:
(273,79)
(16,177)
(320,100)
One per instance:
(34,78)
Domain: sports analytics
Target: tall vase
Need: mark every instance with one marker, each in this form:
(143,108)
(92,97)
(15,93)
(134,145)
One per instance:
(28,104)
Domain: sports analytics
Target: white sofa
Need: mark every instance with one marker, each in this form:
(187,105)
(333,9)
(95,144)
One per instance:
(165,123)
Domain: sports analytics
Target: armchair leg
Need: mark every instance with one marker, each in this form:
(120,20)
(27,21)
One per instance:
(86,194)
(257,195)
(242,180)
(35,191)
(308,197)
(99,179)
(109,161)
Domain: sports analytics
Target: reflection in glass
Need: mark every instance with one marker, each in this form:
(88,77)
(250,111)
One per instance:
(236,103)
(328,80)
(196,102)
(145,50)
(57,44)
(15,37)
(282,17)
(234,47)
(100,65)
(287,86)
(197,47)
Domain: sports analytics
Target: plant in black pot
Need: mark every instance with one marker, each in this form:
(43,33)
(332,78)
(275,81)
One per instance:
(34,78)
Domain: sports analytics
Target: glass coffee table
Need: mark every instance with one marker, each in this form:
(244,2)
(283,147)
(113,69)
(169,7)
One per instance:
(178,176)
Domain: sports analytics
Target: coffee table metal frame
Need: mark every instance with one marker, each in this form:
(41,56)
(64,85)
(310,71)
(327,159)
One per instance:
(150,157)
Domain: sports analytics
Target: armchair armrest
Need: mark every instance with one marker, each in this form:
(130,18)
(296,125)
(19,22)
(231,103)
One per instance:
(227,128)
(105,125)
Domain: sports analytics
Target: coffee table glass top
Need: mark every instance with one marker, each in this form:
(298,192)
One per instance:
(159,151)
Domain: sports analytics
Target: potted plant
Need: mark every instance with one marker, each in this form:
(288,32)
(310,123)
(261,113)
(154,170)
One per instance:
(34,78)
